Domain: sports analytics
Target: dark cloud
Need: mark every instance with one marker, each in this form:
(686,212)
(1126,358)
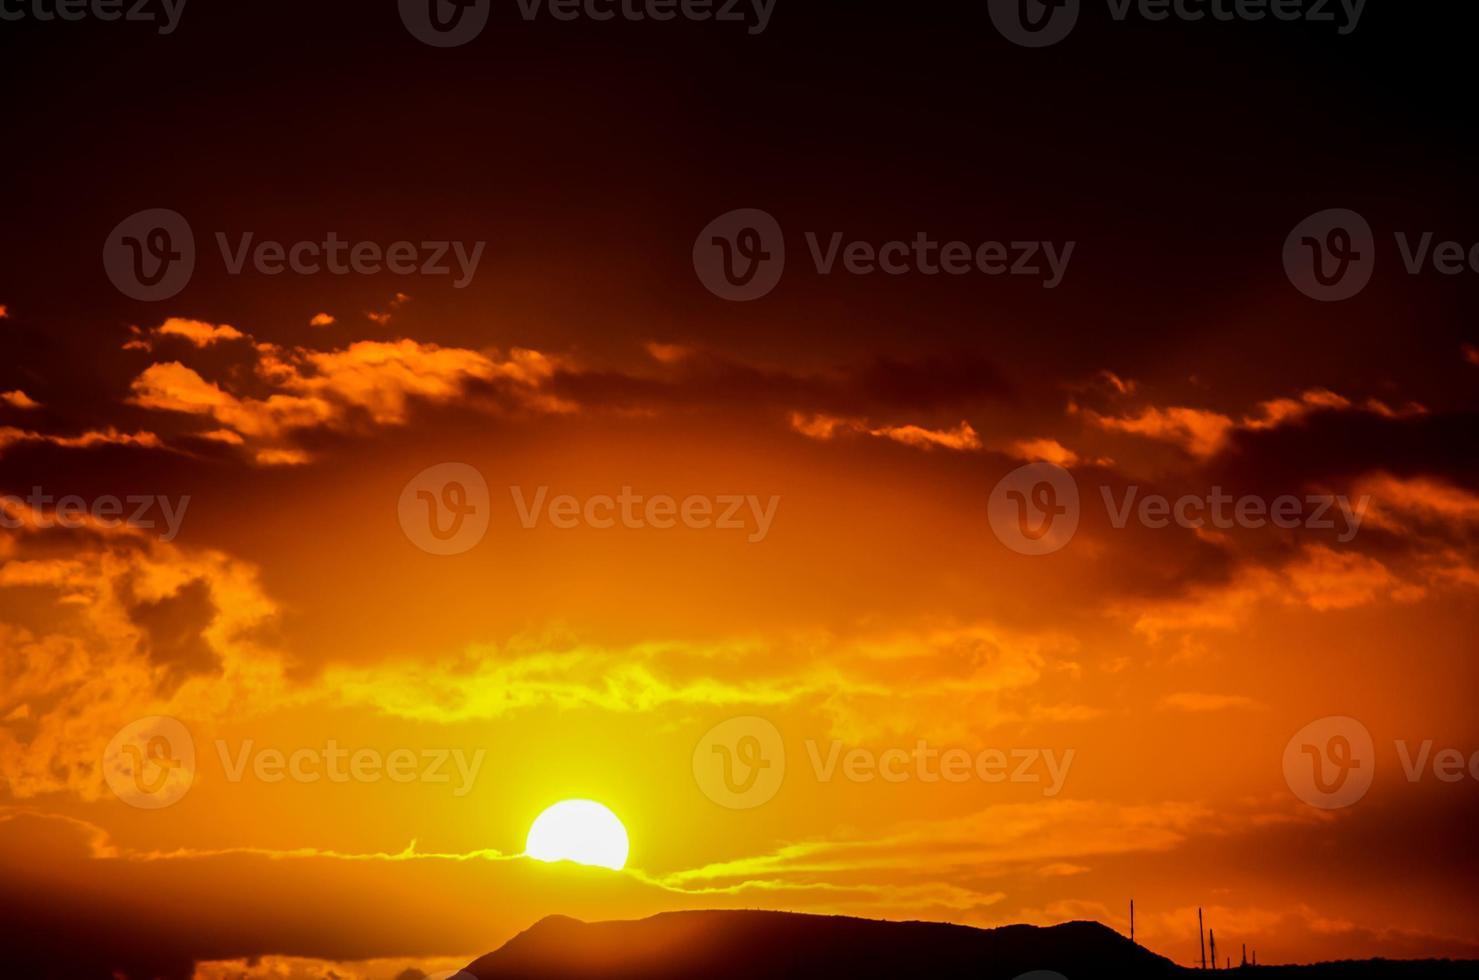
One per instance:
(1336,446)
(883,385)
(174,629)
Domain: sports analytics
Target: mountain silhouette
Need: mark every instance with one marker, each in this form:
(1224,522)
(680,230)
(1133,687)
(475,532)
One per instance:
(730,945)
(745,944)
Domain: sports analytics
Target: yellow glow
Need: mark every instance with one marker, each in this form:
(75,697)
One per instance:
(582,831)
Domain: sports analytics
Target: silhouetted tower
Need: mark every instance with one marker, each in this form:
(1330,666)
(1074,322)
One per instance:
(1245,955)
(1202,938)
(1212,941)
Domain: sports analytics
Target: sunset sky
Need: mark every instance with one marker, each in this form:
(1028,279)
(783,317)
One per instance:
(865,420)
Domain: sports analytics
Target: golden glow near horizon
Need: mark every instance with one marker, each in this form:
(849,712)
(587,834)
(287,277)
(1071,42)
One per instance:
(580,831)
(953,730)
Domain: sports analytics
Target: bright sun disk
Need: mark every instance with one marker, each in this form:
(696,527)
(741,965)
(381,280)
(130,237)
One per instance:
(582,831)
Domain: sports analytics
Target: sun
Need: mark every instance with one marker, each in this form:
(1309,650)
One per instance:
(582,831)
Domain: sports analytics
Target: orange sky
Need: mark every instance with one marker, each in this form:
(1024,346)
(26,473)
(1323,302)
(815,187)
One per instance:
(1162,671)
(782,534)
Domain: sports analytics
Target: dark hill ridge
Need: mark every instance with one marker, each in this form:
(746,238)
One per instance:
(786,946)
(752,945)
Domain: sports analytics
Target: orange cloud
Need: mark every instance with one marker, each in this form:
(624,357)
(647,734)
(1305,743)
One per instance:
(669,353)
(1404,503)
(1201,433)
(1318,578)
(124,626)
(956,675)
(310,968)
(1204,433)
(11,436)
(1049,450)
(997,840)
(197,333)
(1196,701)
(19,399)
(369,381)
(1281,411)
(962,438)
(1328,579)
(383,317)
(1120,385)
